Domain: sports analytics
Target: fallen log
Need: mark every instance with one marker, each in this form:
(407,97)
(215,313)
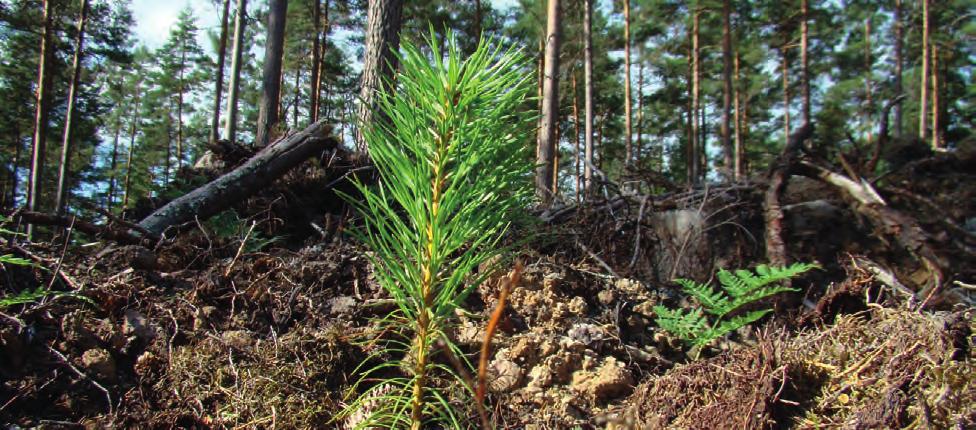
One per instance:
(257,173)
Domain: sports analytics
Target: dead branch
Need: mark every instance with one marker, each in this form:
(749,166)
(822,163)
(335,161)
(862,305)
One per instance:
(779,177)
(84,226)
(254,175)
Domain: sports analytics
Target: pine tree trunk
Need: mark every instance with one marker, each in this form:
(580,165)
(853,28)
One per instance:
(477,18)
(936,136)
(923,98)
(737,169)
(638,144)
(899,61)
(42,108)
(219,84)
(628,132)
(383,20)
(318,41)
(804,63)
(113,164)
(726,130)
(61,198)
(695,160)
(869,103)
(230,129)
(133,131)
(14,169)
(786,93)
(576,141)
(271,78)
(296,97)
(179,114)
(550,106)
(588,96)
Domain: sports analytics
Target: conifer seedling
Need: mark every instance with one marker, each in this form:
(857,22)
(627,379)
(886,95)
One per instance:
(453,162)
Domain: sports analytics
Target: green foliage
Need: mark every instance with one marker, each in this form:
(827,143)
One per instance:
(453,175)
(27,296)
(739,288)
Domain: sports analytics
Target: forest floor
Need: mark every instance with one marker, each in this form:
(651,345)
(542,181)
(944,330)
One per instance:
(231,326)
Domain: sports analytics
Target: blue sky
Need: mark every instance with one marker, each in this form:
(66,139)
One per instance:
(155,17)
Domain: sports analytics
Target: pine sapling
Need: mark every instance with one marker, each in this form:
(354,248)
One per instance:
(450,147)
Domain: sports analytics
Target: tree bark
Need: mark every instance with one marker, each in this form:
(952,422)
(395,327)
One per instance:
(133,131)
(587,96)
(42,108)
(383,21)
(260,171)
(804,60)
(576,141)
(179,113)
(315,69)
(869,103)
(628,133)
(550,106)
(923,98)
(230,128)
(271,78)
(737,169)
(786,94)
(113,164)
(694,161)
(638,144)
(899,61)
(219,84)
(936,137)
(726,130)
(61,198)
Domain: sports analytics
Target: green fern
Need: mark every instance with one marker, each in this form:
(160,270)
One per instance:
(739,288)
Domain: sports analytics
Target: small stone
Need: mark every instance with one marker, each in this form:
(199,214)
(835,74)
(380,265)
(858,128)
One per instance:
(240,339)
(606,297)
(645,308)
(136,324)
(611,380)
(505,376)
(343,305)
(100,363)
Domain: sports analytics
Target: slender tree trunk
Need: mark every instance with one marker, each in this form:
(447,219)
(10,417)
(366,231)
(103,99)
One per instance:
(628,132)
(169,146)
(923,99)
(313,108)
(230,129)
(133,131)
(690,116)
(804,63)
(383,20)
(113,164)
(61,198)
(271,78)
(576,141)
(588,96)
(737,120)
(477,18)
(869,104)
(638,144)
(695,160)
(728,169)
(296,98)
(550,106)
(899,61)
(744,130)
(41,115)
(14,168)
(786,93)
(219,84)
(541,78)
(179,113)
(936,136)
